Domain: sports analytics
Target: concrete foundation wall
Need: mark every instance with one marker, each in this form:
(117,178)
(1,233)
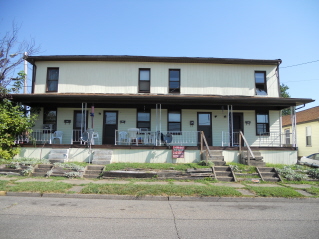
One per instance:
(157,155)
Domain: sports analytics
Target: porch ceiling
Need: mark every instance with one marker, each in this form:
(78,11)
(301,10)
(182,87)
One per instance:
(171,100)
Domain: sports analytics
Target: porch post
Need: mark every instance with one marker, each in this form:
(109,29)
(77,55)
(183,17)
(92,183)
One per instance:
(230,124)
(293,125)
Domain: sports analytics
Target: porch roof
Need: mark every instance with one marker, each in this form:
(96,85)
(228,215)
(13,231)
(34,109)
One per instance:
(126,58)
(171,100)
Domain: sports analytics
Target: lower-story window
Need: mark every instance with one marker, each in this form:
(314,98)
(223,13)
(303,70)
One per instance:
(50,117)
(144,120)
(262,123)
(174,121)
(308,136)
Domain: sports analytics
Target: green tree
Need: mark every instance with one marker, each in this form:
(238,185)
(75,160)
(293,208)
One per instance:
(284,93)
(13,122)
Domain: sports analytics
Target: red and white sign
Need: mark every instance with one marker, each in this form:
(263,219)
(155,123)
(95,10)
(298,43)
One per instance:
(178,152)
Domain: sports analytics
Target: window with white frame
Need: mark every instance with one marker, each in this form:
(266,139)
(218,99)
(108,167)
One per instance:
(287,136)
(308,136)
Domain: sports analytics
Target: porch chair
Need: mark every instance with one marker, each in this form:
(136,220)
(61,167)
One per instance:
(132,134)
(57,135)
(95,136)
(123,137)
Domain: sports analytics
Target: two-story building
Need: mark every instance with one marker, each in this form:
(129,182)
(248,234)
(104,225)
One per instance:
(169,100)
(306,127)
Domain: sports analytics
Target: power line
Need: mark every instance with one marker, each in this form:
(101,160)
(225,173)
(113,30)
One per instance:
(300,80)
(299,64)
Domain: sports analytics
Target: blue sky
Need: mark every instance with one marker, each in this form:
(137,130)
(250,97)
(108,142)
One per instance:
(250,29)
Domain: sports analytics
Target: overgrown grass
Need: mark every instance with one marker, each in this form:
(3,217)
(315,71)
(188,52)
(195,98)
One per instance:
(243,167)
(160,190)
(159,166)
(274,192)
(41,187)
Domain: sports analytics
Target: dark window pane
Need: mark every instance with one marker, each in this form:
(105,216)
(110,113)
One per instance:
(144,125)
(143,116)
(174,75)
(110,118)
(144,86)
(262,118)
(174,127)
(52,85)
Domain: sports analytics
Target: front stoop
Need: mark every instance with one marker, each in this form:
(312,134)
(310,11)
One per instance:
(216,157)
(102,157)
(93,171)
(268,174)
(58,155)
(257,161)
(223,173)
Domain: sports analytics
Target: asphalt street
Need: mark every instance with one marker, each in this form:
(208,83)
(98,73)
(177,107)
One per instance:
(41,217)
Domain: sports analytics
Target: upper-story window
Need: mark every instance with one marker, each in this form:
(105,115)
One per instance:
(260,81)
(262,123)
(174,81)
(144,120)
(52,79)
(144,80)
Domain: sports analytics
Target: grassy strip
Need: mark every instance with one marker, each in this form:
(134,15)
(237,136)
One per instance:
(160,190)
(162,166)
(42,187)
(3,185)
(313,190)
(274,192)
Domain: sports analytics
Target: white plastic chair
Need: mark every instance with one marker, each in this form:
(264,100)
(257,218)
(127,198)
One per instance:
(132,134)
(57,135)
(122,137)
(96,136)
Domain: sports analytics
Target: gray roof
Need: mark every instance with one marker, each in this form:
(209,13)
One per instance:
(125,58)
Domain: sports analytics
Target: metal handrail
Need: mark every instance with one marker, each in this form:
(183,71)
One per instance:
(241,136)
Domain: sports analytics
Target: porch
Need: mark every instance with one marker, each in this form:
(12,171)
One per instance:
(143,137)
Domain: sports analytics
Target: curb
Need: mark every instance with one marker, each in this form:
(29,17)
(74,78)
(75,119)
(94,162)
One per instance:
(160,198)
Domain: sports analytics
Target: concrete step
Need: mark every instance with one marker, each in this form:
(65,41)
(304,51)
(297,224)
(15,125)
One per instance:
(91,176)
(45,166)
(221,158)
(271,179)
(225,179)
(97,172)
(101,162)
(199,170)
(216,152)
(256,163)
(95,167)
(57,161)
(266,169)
(39,174)
(218,163)
(222,168)
(59,151)
(270,174)
(223,174)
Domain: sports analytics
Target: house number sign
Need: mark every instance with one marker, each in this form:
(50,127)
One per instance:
(178,152)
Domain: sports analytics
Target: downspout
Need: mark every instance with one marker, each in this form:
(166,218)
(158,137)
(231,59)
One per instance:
(277,73)
(34,73)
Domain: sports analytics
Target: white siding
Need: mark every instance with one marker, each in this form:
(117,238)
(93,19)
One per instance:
(122,77)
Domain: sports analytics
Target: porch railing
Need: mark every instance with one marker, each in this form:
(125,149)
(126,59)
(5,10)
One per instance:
(37,135)
(182,138)
(272,139)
